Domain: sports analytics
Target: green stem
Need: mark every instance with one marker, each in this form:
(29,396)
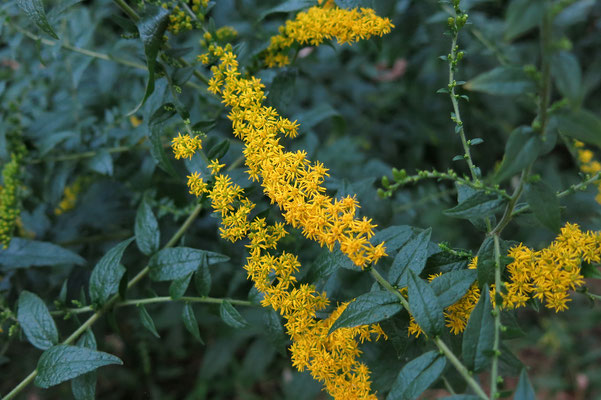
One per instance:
(160,299)
(497,318)
(453,95)
(437,341)
(508,213)
(463,371)
(109,304)
(131,13)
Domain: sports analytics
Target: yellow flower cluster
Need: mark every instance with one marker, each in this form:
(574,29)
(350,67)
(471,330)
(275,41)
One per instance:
(549,274)
(185,146)
(288,178)
(332,359)
(589,165)
(319,24)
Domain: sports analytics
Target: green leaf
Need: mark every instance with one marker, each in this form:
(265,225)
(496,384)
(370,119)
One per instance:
(451,287)
(567,75)
(202,277)
(179,286)
(102,163)
(521,149)
(394,236)
(274,330)
(147,321)
(524,390)
(416,376)
(84,386)
(582,125)
(486,262)
(162,114)
(190,322)
(61,363)
(231,316)
(34,9)
(177,262)
(327,263)
(424,306)
(36,321)
(147,229)
(522,15)
(479,333)
(106,275)
(412,256)
(590,271)
(478,205)
(368,308)
(288,6)
(219,150)
(158,152)
(545,205)
(151,26)
(502,81)
(23,253)
(317,114)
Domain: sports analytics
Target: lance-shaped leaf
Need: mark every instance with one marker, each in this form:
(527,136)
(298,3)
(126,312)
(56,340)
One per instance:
(106,275)
(146,229)
(524,390)
(34,9)
(479,335)
(367,309)
(147,321)
(416,376)
(231,316)
(478,205)
(412,256)
(521,150)
(582,125)
(503,81)
(36,321)
(23,253)
(424,306)
(177,262)
(151,26)
(190,322)
(451,287)
(84,386)
(61,363)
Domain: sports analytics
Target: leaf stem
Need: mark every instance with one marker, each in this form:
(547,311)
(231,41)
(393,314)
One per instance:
(109,304)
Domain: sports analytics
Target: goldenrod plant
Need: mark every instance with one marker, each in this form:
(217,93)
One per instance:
(314,216)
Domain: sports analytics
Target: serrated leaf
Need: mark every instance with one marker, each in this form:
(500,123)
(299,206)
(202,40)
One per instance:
(23,253)
(416,376)
(451,287)
(107,274)
(61,363)
(231,316)
(424,306)
(412,256)
(36,321)
(146,229)
(521,149)
(544,203)
(368,308)
(288,6)
(190,322)
(524,390)
(147,321)
(83,387)
(478,336)
(478,205)
(34,9)
(502,81)
(394,236)
(179,286)
(582,125)
(151,27)
(177,262)
(522,15)
(202,277)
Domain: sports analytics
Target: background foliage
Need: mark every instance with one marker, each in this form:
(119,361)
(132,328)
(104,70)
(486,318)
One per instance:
(94,175)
